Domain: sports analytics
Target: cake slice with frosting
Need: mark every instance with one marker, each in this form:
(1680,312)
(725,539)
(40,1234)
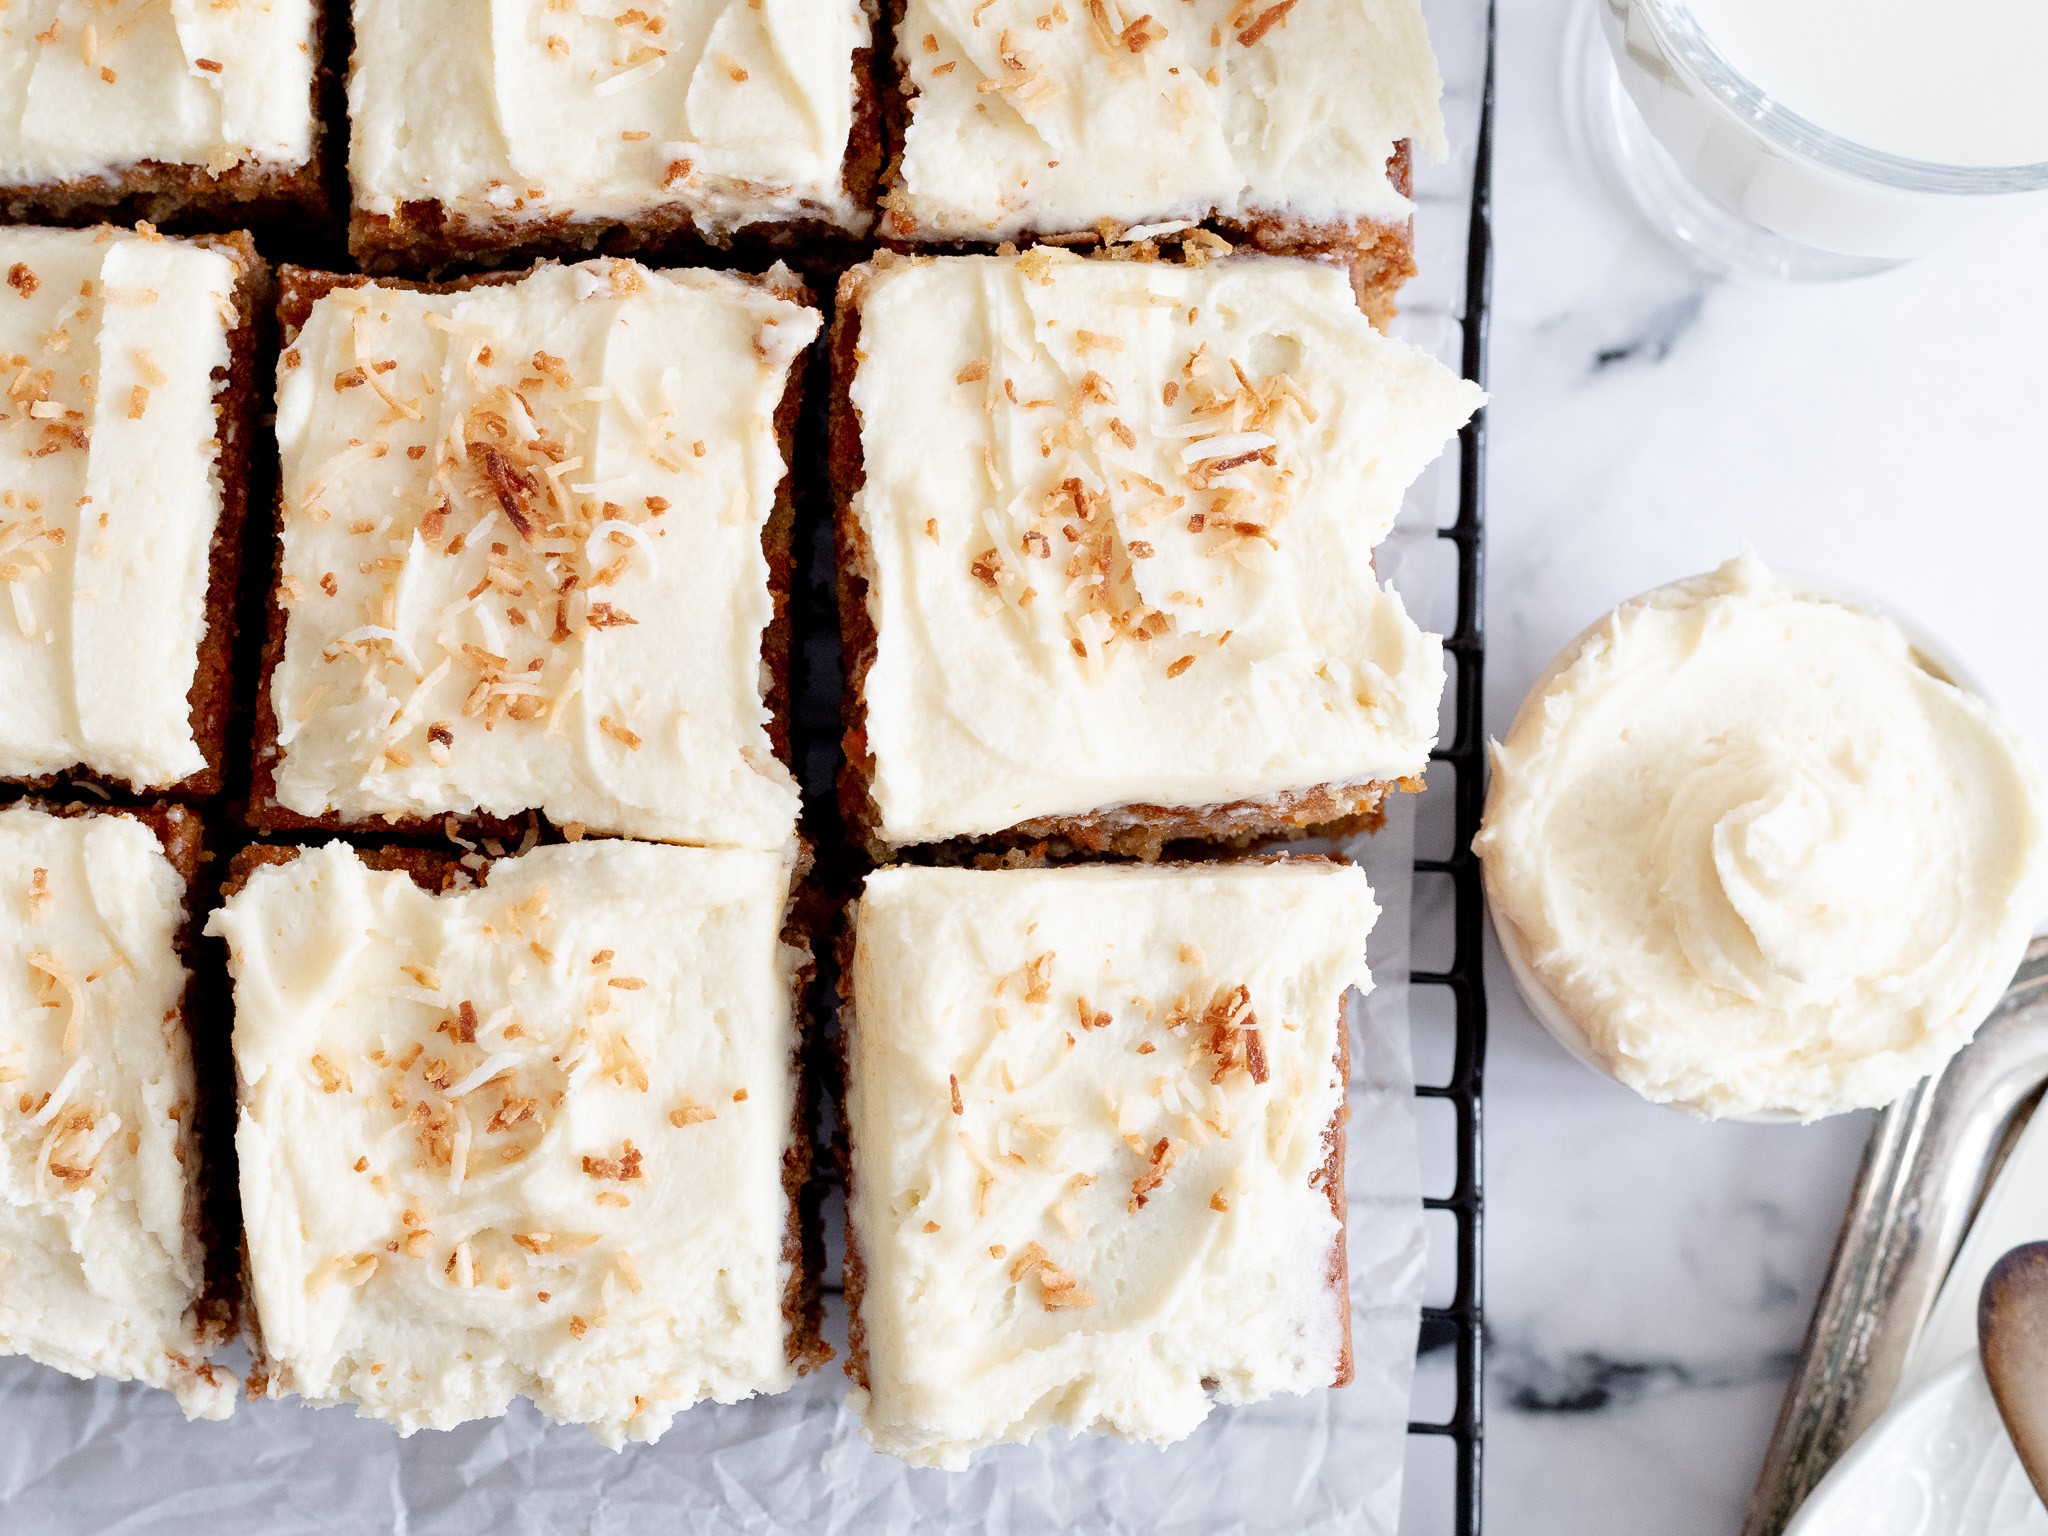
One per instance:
(206,115)
(1289,126)
(104,1264)
(126,422)
(534,554)
(537,1136)
(1095,1123)
(482,126)
(1106,550)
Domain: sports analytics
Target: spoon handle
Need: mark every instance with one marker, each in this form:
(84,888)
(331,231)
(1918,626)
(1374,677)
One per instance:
(2012,1338)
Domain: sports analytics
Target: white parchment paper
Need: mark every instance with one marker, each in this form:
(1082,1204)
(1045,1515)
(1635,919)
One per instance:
(101,1456)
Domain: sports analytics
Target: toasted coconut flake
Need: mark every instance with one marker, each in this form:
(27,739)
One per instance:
(1255,1055)
(355,1271)
(481,1074)
(56,975)
(333,1078)
(1164,1151)
(1058,1289)
(611,526)
(1029,1257)
(1038,977)
(60,1095)
(1234,446)
(623,1169)
(1265,22)
(366,634)
(625,79)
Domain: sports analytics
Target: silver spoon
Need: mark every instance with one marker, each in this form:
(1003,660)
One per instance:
(2012,1338)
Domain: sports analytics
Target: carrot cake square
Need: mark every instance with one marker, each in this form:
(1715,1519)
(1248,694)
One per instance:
(1287,125)
(127,417)
(139,109)
(540,1136)
(1107,533)
(103,1256)
(1096,1130)
(481,126)
(534,545)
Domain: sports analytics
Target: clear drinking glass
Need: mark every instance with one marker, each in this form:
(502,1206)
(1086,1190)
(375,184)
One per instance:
(1740,182)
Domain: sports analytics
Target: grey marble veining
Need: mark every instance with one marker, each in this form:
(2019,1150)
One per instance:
(1650,1278)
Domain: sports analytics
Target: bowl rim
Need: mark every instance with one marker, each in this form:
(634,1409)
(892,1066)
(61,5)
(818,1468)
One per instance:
(1689,43)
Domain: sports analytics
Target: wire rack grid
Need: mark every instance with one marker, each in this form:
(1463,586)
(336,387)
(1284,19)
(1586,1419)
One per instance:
(1459,1325)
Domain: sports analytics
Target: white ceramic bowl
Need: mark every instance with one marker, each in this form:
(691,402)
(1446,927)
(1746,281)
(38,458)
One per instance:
(1751,186)
(1933,654)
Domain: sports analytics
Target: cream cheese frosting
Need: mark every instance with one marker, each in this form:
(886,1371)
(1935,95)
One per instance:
(1049,116)
(1760,854)
(111,498)
(101,1261)
(523,1139)
(1090,1111)
(89,87)
(739,111)
(1121,518)
(523,560)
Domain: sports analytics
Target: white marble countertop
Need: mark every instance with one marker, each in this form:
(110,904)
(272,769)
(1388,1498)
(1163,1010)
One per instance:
(1649,1278)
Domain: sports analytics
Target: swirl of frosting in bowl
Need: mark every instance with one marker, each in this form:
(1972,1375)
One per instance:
(1759,854)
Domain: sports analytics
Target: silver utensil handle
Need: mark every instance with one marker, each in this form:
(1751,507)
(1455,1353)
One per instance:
(1930,1158)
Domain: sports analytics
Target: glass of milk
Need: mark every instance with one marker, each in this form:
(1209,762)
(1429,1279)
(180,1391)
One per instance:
(1817,138)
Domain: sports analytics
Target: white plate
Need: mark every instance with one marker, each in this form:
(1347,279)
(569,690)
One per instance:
(1937,1464)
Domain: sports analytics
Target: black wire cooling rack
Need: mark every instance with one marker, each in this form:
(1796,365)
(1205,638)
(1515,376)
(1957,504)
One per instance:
(1459,1325)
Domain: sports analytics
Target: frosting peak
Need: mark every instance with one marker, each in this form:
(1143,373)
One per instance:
(1781,867)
